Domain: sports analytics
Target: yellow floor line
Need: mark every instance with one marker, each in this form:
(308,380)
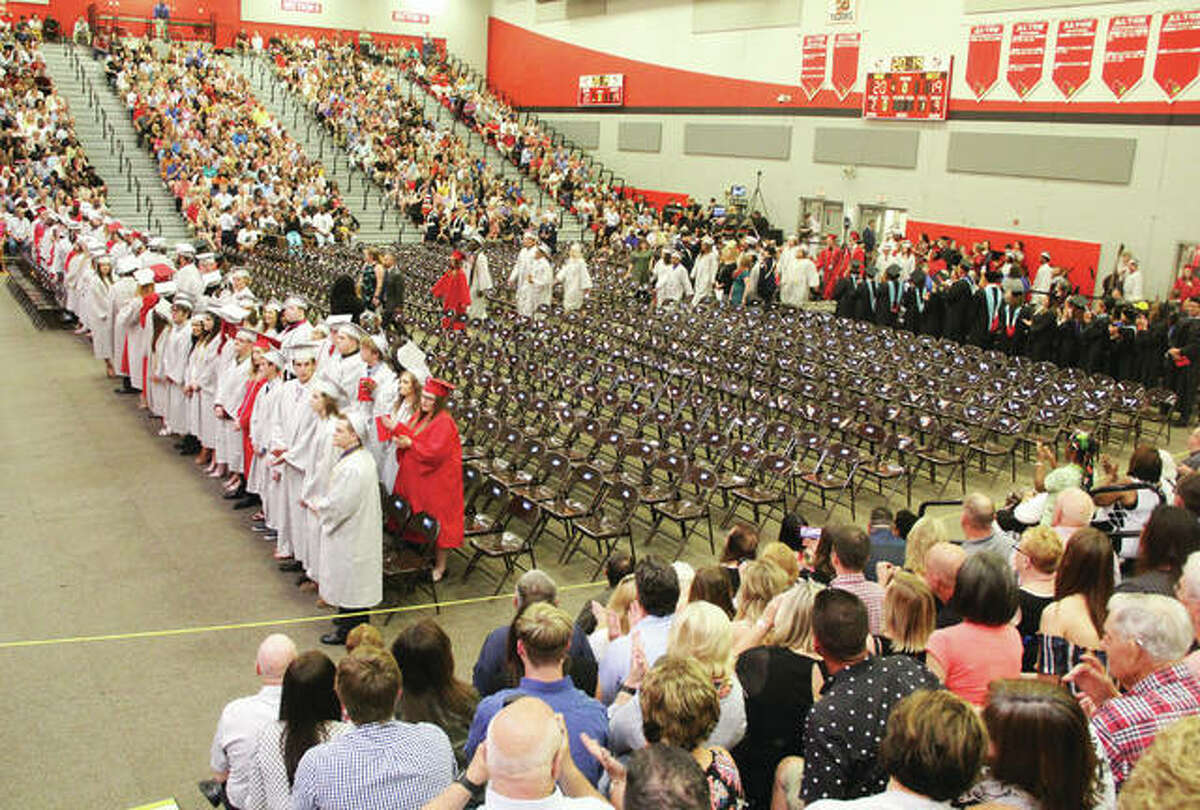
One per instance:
(212,628)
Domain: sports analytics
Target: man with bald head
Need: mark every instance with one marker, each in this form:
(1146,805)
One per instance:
(236,740)
(1073,510)
(942,562)
(524,762)
(979,532)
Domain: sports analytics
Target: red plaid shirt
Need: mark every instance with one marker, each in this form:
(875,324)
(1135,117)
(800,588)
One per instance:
(871,594)
(1127,725)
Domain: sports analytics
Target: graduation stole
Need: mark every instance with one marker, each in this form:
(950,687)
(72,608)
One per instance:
(919,296)
(1011,315)
(894,294)
(993,307)
(147,304)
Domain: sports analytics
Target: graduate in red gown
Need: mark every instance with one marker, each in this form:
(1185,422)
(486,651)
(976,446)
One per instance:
(455,293)
(429,452)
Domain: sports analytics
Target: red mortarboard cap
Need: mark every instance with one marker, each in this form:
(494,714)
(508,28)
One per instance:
(438,388)
(457,256)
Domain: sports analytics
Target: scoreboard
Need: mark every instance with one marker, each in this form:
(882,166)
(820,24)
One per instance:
(602,90)
(912,88)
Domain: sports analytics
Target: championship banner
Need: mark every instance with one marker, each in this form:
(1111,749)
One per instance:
(843,72)
(1178,60)
(1125,52)
(1073,55)
(813,59)
(1027,56)
(842,12)
(983,58)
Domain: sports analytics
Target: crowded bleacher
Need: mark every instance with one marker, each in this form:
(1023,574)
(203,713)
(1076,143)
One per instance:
(877,522)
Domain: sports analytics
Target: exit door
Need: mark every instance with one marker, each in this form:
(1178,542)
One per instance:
(883,220)
(828,214)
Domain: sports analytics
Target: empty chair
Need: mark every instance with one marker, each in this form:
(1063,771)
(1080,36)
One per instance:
(513,537)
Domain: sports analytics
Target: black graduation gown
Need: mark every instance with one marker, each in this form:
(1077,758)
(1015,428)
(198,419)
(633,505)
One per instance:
(1149,346)
(1095,345)
(887,302)
(1042,333)
(766,283)
(844,294)
(933,315)
(959,303)
(913,305)
(1122,357)
(1069,337)
(1006,339)
(979,329)
(866,296)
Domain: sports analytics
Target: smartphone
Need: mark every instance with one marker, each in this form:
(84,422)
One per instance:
(810,532)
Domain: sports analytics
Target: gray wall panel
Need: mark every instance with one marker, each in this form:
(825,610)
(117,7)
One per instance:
(738,140)
(709,16)
(639,136)
(585,134)
(895,148)
(1092,160)
(992,6)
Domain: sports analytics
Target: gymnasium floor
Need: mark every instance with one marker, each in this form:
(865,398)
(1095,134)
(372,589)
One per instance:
(108,531)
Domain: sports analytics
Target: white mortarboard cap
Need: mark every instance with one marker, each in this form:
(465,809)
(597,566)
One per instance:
(296,301)
(211,279)
(207,256)
(380,342)
(303,352)
(246,297)
(335,322)
(328,387)
(232,313)
(274,358)
(163,309)
(247,334)
(352,330)
(412,359)
(185,247)
(358,422)
(166,287)
(241,272)
(184,300)
(127,265)
(143,276)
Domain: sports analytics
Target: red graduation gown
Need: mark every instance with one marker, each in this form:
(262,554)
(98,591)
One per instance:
(430,477)
(244,413)
(455,293)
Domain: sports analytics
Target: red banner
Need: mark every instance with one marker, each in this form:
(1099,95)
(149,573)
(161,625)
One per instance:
(1073,55)
(1027,56)
(843,72)
(1178,59)
(812,63)
(983,58)
(1125,52)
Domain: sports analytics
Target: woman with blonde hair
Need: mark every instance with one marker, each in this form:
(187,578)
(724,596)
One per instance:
(925,533)
(781,678)
(784,557)
(909,617)
(615,621)
(762,581)
(702,632)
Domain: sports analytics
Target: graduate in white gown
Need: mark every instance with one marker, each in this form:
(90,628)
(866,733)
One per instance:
(174,364)
(704,272)
(263,418)
(317,466)
(99,304)
(408,399)
(575,278)
(672,283)
(123,291)
(377,393)
(479,279)
(522,276)
(291,446)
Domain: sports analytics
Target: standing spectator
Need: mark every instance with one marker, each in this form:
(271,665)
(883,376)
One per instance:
(985,645)
(978,527)
(851,550)
(1146,637)
(942,562)
(741,546)
(236,741)
(1169,536)
(493,669)
(1167,775)
(618,566)
(651,615)
(1036,561)
(162,17)
(1071,625)
(909,617)
(841,744)
(543,632)
(381,763)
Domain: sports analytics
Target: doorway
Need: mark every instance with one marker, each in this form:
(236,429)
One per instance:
(828,214)
(1187,254)
(882,219)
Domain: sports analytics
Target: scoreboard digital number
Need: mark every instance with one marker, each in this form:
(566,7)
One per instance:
(602,90)
(908,88)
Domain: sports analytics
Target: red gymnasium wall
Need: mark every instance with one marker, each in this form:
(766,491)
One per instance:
(1081,258)
(228,14)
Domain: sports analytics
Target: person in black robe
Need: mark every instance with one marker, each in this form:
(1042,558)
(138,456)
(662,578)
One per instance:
(1070,332)
(1043,330)
(767,287)
(866,297)
(1121,355)
(887,302)
(1010,337)
(985,317)
(1094,339)
(958,303)
(913,302)
(1182,359)
(845,296)
(1149,346)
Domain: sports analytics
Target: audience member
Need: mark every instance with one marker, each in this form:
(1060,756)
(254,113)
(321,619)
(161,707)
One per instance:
(651,615)
(851,550)
(978,527)
(236,741)
(364,635)
(1042,753)
(309,714)
(942,562)
(909,617)
(741,546)
(381,762)
(762,581)
(841,742)
(493,669)
(931,751)
(1071,625)
(543,632)
(1036,561)
(984,646)
(711,585)
(886,543)
(432,693)
(927,532)
(615,614)
(616,568)
(1073,510)
(1146,637)
(784,557)
(1187,590)
(1169,536)
(1127,512)
(665,777)
(1166,774)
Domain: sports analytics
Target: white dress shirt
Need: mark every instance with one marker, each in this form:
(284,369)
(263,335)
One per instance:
(236,740)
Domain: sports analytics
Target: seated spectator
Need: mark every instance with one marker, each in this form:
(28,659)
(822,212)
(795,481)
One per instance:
(942,562)
(493,670)
(1042,754)
(363,635)
(524,763)
(1073,510)
(909,617)
(922,535)
(978,527)
(682,709)
(703,633)
(615,614)
(1191,462)
(1050,478)
(1036,561)
(651,615)
(985,645)
(1072,623)
(784,557)
(381,762)
(711,585)
(432,693)
(1187,493)
(309,714)
(1169,536)
(851,550)
(236,741)
(1166,775)
(819,562)
(1146,637)
(1187,590)
(664,777)
(1127,512)
(616,568)
(841,742)
(543,632)
(781,679)
(932,750)
(762,581)
(886,543)
(741,546)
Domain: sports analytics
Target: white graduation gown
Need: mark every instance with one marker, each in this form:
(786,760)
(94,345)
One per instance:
(295,429)
(705,276)
(352,528)
(575,279)
(177,344)
(122,291)
(100,318)
(672,284)
(316,482)
(480,280)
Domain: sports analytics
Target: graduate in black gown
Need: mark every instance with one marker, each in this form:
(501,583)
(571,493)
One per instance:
(1043,331)
(866,297)
(887,302)
(1010,337)
(958,304)
(845,294)
(1122,358)
(1070,332)
(985,319)
(913,302)
(1149,344)
(1095,340)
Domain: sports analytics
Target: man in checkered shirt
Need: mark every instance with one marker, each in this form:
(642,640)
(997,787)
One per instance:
(1146,637)
(383,764)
